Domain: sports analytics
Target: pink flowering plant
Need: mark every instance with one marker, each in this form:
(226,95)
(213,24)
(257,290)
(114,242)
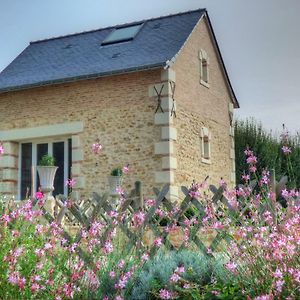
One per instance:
(265,236)
(34,262)
(254,253)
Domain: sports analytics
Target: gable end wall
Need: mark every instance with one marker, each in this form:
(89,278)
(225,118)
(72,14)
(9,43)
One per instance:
(199,106)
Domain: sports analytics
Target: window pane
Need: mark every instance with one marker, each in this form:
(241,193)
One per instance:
(206,149)
(26,162)
(58,154)
(122,34)
(204,71)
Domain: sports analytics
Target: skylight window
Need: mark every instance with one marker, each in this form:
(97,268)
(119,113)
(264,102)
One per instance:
(122,34)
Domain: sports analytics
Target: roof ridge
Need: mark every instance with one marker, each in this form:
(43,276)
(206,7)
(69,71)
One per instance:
(118,25)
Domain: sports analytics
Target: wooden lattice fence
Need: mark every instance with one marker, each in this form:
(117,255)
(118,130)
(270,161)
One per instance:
(160,229)
(100,209)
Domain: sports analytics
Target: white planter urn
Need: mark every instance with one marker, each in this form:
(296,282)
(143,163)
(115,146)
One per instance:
(114,183)
(47,175)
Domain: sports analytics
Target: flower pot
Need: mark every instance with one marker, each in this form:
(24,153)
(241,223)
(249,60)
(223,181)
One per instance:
(114,183)
(47,175)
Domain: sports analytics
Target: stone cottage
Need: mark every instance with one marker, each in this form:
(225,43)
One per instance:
(155,93)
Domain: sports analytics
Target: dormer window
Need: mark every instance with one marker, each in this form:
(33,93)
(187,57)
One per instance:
(122,34)
(203,66)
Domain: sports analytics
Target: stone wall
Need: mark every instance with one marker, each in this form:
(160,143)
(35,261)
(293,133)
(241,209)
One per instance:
(117,110)
(202,106)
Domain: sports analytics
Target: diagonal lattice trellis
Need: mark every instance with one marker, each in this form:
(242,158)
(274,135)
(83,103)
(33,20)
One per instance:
(100,209)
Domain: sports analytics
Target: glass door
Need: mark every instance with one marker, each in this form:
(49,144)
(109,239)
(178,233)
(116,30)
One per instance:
(31,154)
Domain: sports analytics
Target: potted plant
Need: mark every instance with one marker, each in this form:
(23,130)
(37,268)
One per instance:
(115,181)
(47,170)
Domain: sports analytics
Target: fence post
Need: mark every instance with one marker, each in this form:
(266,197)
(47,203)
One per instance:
(139,195)
(272,184)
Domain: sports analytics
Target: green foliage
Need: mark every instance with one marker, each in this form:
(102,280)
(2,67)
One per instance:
(116,172)
(199,271)
(47,161)
(224,291)
(267,147)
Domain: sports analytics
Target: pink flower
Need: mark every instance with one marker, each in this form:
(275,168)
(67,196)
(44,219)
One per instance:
(1,149)
(158,242)
(138,218)
(39,195)
(165,294)
(120,190)
(150,202)
(160,213)
(215,293)
(277,274)
(248,152)
(175,277)
(251,160)
(15,233)
(279,284)
(246,177)
(286,150)
(48,246)
(218,225)
(121,264)
(14,277)
(35,287)
(96,148)
(125,169)
(145,256)
(21,283)
(36,277)
(231,266)
(70,182)
(180,270)
(108,247)
(264,297)
(5,219)
(112,274)
(222,183)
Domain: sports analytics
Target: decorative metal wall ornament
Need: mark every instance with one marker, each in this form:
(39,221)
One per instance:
(159,98)
(173,86)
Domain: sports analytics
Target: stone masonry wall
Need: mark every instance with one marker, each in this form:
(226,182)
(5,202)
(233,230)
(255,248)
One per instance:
(200,106)
(117,110)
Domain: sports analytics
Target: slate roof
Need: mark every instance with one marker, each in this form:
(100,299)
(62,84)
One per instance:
(81,56)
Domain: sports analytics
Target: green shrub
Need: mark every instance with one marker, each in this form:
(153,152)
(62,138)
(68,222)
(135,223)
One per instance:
(200,270)
(267,146)
(47,161)
(116,172)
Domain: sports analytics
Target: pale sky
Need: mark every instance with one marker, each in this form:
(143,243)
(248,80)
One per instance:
(259,41)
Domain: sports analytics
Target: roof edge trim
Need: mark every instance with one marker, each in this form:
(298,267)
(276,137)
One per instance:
(83,77)
(172,61)
(225,73)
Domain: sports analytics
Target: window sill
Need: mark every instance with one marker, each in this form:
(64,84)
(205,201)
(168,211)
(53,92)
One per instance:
(206,160)
(206,84)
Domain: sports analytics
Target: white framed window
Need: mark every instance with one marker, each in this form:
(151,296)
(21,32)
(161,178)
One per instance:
(30,153)
(204,68)
(205,141)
